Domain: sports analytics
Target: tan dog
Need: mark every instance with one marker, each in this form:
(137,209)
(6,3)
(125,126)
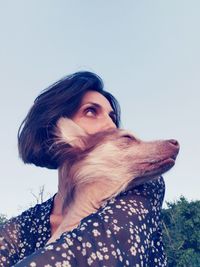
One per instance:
(98,167)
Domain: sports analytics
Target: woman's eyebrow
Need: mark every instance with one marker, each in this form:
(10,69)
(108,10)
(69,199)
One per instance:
(92,103)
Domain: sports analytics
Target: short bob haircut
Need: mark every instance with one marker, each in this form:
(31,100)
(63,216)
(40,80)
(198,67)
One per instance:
(62,99)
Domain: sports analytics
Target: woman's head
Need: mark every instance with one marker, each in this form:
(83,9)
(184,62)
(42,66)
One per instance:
(79,96)
(94,113)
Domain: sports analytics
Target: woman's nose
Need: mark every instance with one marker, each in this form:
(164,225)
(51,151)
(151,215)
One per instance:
(108,123)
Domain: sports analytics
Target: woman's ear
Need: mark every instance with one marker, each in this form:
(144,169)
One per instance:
(70,133)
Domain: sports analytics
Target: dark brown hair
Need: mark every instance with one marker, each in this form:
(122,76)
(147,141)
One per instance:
(62,99)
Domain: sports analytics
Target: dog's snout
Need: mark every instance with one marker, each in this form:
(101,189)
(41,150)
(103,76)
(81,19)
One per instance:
(174,142)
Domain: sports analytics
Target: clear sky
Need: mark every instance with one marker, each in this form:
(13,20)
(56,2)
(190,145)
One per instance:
(148,54)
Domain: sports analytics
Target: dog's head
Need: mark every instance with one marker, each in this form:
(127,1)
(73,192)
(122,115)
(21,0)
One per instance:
(112,156)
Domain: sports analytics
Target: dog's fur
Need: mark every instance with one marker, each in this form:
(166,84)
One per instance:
(98,167)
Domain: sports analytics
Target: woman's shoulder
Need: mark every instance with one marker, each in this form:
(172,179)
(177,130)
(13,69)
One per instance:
(21,235)
(146,199)
(39,210)
(154,185)
(29,217)
(153,191)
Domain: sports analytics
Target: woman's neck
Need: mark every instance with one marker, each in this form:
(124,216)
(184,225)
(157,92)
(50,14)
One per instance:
(59,198)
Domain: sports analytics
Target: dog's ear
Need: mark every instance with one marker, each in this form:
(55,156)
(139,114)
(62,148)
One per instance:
(69,132)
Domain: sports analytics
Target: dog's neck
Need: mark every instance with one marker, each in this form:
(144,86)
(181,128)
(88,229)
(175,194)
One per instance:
(86,199)
(85,203)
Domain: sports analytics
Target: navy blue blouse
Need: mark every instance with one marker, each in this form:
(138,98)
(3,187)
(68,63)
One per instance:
(124,232)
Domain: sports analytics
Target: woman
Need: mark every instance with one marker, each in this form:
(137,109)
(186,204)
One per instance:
(125,232)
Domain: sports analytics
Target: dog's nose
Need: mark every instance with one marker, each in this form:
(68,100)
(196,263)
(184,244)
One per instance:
(174,142)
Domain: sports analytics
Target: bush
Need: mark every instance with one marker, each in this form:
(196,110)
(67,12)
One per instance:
(3,219)
(181,233)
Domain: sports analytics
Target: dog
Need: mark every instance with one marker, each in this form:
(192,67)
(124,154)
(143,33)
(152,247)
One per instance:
(98,167)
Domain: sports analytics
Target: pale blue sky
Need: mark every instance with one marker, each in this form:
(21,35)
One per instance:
(148,54)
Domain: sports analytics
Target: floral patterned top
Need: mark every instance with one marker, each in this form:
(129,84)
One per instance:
(124,232)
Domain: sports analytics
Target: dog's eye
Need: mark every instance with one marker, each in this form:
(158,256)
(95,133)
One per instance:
(130,137)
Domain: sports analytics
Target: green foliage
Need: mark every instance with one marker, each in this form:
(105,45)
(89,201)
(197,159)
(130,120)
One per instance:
(181,233)
(3,219)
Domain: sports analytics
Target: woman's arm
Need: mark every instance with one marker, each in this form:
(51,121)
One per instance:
(22,235)
(9,240)
(125,232)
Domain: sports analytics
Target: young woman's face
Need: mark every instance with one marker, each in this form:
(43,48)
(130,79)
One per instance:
(95,113)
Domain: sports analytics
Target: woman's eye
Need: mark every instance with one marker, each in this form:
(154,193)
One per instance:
(90,111)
